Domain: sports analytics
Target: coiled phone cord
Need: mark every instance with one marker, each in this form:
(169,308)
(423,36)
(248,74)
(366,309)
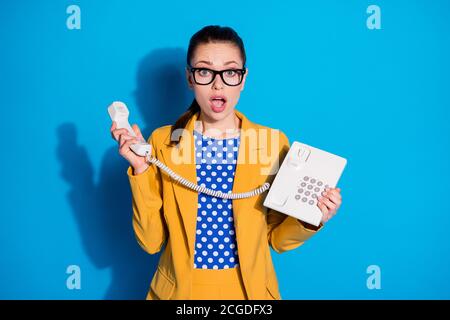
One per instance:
(197,188)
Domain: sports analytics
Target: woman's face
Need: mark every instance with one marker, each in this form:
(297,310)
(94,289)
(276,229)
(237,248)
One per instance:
(217,99)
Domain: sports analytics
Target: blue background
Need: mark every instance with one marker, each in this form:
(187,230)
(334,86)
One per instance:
(377,97)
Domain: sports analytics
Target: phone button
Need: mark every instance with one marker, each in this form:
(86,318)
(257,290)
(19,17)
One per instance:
(303,153)
(279,200)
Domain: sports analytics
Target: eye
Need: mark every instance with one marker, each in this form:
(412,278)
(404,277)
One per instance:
(230,73)
(204,72)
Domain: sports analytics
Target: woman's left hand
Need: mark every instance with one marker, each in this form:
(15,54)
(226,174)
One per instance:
(329,203)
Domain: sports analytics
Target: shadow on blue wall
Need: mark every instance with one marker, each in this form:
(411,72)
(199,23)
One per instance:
(104,211)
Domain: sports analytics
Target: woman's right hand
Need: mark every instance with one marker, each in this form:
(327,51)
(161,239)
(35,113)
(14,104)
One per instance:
(125,140)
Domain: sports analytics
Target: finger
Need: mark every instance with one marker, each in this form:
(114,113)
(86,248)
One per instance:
(330,205)
(322,208)
(327,214)
(138,132)
(118,132)
(124,138)
(335,192)
(333,198)
(126,145)
(331,192)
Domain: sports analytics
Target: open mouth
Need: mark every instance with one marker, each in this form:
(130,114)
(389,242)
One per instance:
(218,102)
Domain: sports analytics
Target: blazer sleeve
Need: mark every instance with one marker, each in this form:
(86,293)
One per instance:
(285,232)
(147,201)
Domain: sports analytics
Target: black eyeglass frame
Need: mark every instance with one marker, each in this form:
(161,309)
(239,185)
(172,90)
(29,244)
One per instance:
(215,73)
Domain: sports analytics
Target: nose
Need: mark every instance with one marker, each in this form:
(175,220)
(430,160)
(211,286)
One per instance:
(217,82)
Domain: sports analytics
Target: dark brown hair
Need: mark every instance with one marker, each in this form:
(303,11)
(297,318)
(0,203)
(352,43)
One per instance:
(206,35)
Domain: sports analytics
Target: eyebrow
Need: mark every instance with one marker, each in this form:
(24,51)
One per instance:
(210,63)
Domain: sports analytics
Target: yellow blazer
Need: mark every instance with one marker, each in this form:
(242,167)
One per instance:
(166,212)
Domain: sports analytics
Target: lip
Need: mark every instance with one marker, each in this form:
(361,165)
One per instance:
(218,97)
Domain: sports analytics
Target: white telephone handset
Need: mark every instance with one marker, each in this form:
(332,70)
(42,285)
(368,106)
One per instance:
(303,176)
(118,112)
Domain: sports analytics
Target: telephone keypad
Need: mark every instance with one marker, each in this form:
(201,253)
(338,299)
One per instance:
(314,189)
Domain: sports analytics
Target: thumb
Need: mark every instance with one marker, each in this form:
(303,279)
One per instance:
(138,132)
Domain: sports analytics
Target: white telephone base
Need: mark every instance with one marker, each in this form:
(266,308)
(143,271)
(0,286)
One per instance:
(303,176)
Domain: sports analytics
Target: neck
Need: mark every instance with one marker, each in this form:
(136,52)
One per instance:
(225,128)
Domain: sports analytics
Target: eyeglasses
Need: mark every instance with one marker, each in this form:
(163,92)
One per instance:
(204,76)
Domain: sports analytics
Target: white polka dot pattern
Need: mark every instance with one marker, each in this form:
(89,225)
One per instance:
(216,246)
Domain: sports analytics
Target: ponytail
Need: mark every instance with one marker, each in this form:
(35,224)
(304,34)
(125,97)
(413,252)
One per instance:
(184,118)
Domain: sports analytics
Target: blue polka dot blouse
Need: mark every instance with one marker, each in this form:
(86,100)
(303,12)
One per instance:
(215,241)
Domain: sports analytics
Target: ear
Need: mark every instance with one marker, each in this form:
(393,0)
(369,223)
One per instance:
(243,80)
(189,79)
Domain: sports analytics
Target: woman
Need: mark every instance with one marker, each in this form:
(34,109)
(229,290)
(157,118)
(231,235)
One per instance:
(215,248)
